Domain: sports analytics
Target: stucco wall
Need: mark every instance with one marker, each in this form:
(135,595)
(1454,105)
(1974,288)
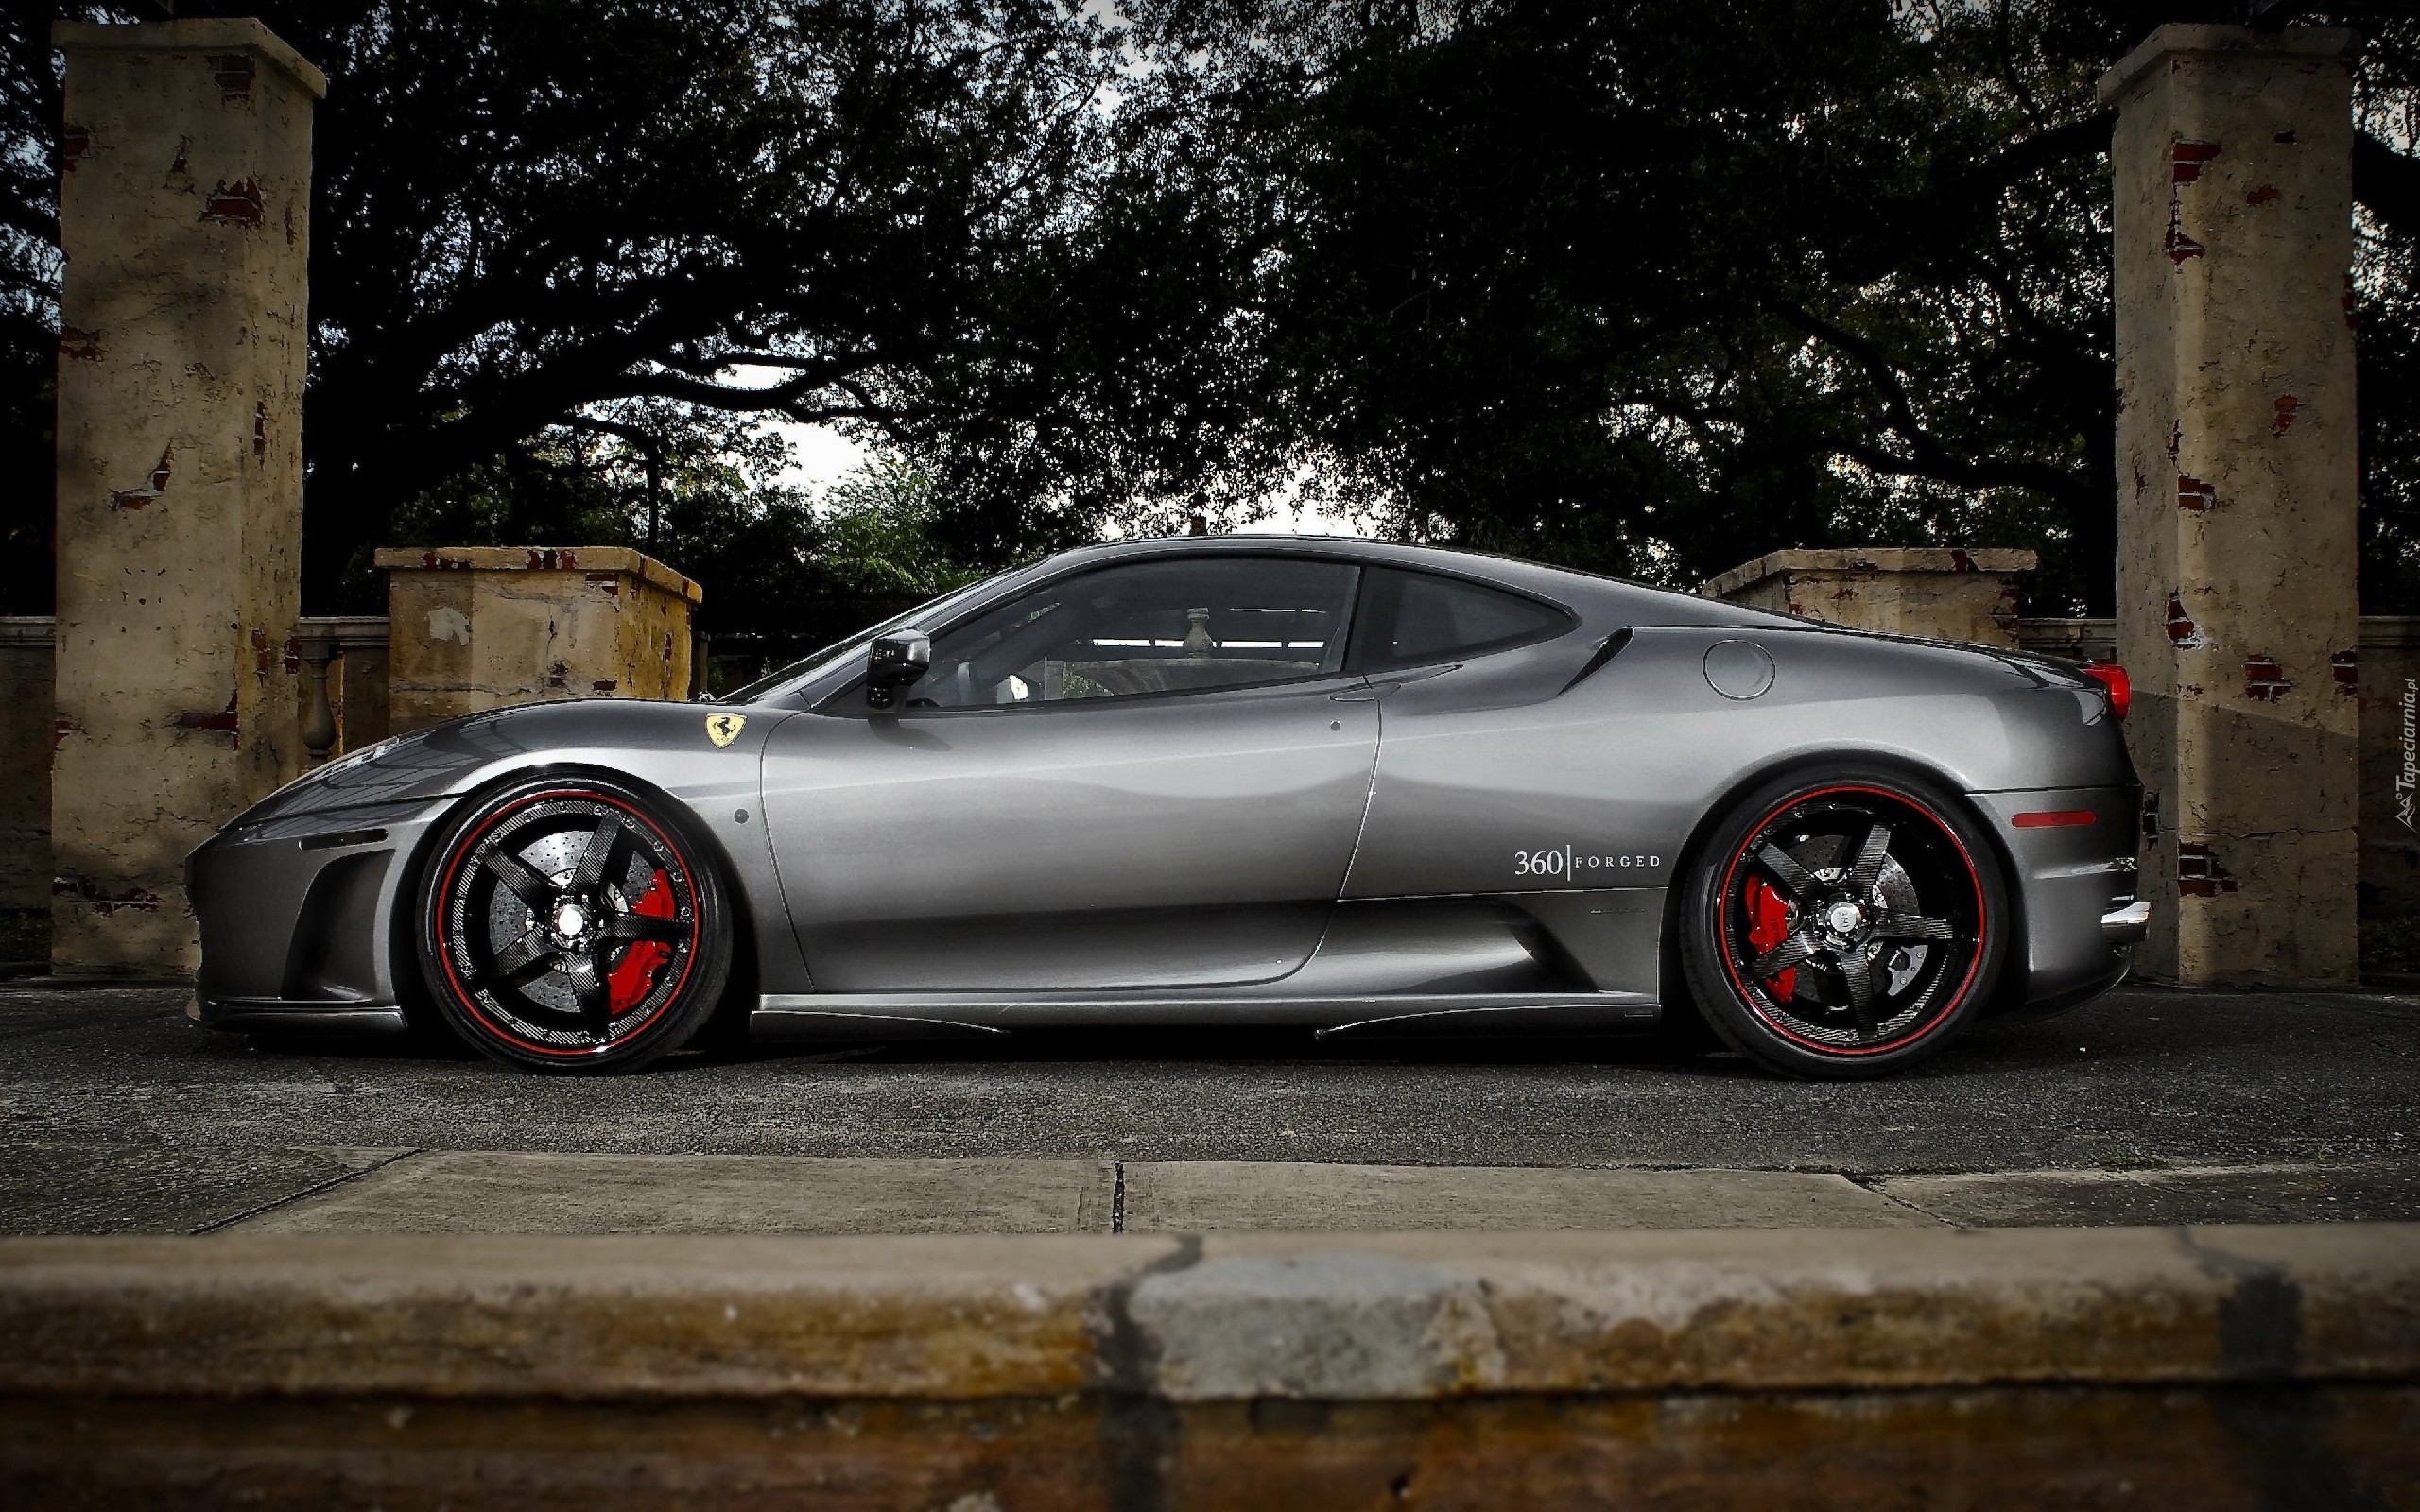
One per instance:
(474,627)
(1942,592)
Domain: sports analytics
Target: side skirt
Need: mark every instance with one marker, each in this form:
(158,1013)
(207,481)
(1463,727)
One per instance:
(878,1015)
(283,1017)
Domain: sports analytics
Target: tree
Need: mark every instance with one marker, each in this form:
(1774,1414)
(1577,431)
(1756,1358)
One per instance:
(1649,288)
(784,571)
(1657,288)
(525,209)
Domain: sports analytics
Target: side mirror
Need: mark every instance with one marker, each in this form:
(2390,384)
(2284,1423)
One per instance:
(893,662)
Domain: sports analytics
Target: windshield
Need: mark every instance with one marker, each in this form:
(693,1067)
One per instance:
(775,683)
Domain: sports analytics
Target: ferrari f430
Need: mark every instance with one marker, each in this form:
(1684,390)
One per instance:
(1355,787)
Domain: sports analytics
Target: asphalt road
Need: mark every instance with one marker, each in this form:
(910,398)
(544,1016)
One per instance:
(117,1114)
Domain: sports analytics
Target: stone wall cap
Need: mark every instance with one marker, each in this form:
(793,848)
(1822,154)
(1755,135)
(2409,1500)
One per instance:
(28,629)
(193,34)
(363,630)
(1872,558)
(2195,40)
(1203,1318)
(538,559)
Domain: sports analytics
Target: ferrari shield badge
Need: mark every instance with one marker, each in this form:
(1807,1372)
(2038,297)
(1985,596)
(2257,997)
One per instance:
(724,728)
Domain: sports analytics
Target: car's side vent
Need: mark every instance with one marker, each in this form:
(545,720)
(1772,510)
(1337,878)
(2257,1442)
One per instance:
(333,956)
(342,838)
(1612,648)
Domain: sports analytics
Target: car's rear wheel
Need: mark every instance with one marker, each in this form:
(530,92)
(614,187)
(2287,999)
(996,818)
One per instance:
(566,925)
(1843,923)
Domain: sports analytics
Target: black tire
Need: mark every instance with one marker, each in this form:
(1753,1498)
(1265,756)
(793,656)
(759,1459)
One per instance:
(1843,923)
(546,954)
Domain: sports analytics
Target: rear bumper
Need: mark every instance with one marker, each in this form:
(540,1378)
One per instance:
(2073,862)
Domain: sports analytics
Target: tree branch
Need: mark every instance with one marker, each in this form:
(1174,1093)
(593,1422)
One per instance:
(1928,457)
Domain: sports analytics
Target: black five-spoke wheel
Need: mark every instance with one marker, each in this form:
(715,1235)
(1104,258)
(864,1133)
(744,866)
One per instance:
(566,927)
(1843,925)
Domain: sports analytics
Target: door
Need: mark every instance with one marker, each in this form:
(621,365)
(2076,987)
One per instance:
(1148,775)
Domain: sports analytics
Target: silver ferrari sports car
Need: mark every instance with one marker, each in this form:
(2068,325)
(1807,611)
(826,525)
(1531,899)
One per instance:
(1350,786)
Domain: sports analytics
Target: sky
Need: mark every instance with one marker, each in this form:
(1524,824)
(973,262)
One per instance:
(820,455)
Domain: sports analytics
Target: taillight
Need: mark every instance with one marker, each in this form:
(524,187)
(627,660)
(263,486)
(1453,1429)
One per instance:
(2113,677)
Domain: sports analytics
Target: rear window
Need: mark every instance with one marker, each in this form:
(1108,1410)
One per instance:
(1407,619)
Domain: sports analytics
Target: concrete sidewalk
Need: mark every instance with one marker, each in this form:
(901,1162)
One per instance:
(456,1192)
(2200,1368)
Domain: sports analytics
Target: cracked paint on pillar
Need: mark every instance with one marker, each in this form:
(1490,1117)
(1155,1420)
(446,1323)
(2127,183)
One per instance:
(152,488)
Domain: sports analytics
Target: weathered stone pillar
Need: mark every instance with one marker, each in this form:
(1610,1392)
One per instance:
(1940,593)
(473,628)
(185,214)
(2236,569)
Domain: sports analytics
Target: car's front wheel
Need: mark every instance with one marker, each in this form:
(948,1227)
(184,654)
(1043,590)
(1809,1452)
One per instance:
(1843,923)
(566,925)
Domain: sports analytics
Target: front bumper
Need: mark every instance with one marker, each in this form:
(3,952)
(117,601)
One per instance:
(298,917)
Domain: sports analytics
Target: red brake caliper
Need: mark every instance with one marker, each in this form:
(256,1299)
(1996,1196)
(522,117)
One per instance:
(633,977)
(1768,926)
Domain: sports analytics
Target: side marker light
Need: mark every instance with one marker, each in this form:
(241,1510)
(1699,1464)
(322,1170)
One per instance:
(2054,819)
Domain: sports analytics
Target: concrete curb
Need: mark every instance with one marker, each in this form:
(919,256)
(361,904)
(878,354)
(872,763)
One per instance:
(1366,1317)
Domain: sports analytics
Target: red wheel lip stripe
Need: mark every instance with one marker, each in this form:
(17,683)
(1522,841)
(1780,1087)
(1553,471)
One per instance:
(462,994)
(1722,920)
(2054,819)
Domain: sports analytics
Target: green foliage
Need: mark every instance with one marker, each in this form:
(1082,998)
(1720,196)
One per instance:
(702,492)
(880,535)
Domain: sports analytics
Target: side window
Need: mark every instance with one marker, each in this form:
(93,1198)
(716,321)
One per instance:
(1411,618)
(1178,625)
